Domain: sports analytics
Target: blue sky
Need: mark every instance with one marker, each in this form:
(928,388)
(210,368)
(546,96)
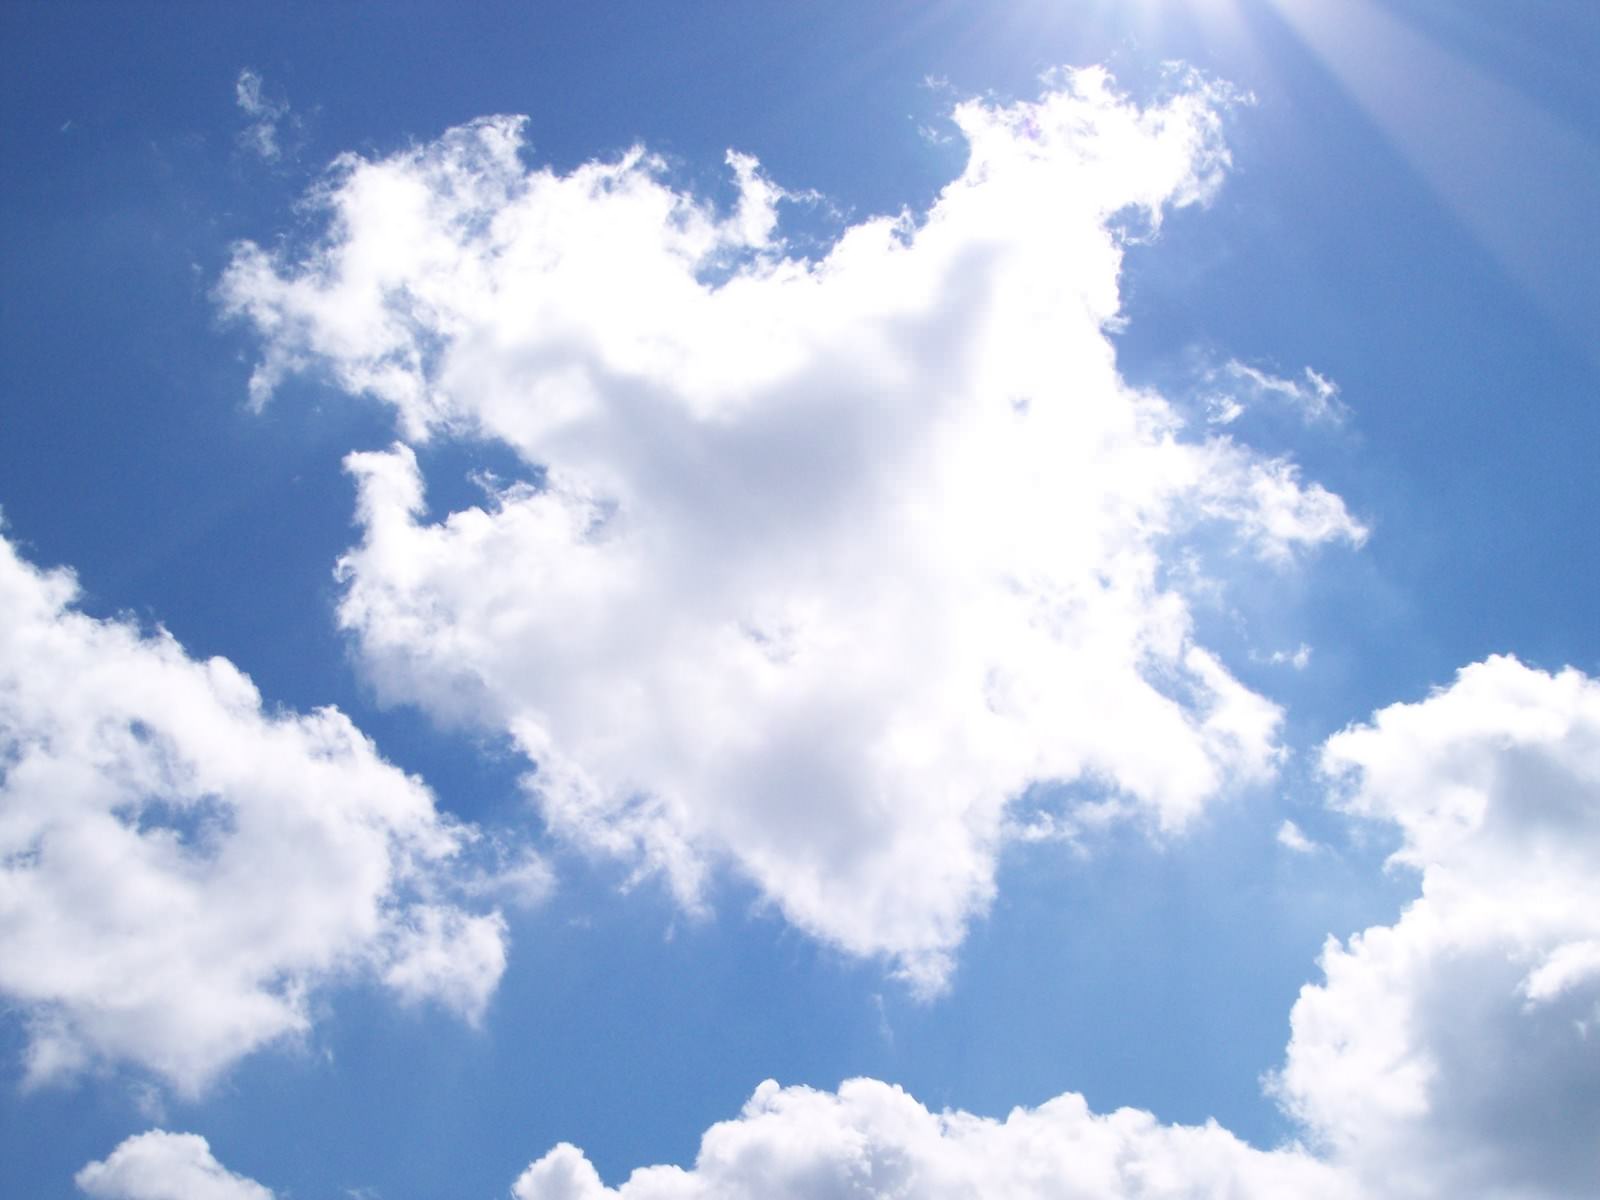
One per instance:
(918,607)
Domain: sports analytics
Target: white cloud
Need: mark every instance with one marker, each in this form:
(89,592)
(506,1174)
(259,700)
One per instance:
(165,1166)
(1313,395)
(261,135)
(1457,1052)
(829,560)
(1299,658)
(1454,1053)
(873,1140)
(441,953)
(179,868)
(1292,837)
(517,877)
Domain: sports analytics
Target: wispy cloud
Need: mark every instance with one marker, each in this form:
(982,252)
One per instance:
(1291,837)
(1235,387)
(1299,658)
(260,136)
(871,1139)
(1421,1056)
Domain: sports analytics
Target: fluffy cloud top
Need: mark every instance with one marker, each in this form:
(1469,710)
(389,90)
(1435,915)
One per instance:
(165,1166)
(873,1140)
(827,560)
(1454,1053)
(1457,1052)
(178,868)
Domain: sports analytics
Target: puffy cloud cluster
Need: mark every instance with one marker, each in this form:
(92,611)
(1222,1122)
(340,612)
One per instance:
(1457,1052)
(873,1140)
(868,1139)
(825,560)
(822,563)
(179,868)
(165,1166)
(1454,1053)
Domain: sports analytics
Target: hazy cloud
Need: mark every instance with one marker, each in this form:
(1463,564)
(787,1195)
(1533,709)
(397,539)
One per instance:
(260,136)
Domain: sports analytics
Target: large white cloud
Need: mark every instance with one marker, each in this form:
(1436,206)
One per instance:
(873,1140)
(827,560)
(1457,1052)
(165,1166)
(179,868)
(1454,1053)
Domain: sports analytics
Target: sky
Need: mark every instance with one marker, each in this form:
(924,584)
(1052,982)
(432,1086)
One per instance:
(874,600)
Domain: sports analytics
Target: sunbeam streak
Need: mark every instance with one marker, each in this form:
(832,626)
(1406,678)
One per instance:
(1524,184)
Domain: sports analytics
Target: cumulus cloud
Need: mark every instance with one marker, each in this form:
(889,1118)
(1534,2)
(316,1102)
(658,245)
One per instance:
(165,1166)
(819,563)
(1457,1052)
(873,1140)
(180,868)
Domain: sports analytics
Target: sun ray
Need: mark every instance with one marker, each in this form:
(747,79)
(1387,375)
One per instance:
(1524,184)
